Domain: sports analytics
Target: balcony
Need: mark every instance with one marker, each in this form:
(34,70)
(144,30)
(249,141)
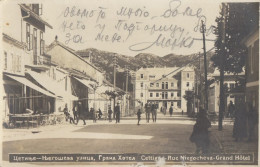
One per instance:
(42,60)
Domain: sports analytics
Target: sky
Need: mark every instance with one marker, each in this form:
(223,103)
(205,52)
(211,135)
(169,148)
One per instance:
(159,27)
(132,27)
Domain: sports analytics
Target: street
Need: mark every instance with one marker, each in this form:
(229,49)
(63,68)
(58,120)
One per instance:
(167,135)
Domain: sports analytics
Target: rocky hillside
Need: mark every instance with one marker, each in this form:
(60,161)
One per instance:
(104,61)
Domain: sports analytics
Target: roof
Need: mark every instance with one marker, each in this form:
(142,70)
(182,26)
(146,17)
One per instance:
(57,43)
(29,11)
(216,73)
(13,41)
(164,71)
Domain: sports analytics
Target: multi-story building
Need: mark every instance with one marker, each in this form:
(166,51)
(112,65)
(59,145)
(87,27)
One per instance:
(164,86)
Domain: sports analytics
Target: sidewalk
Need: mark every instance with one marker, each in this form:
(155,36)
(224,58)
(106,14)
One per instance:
(228,144)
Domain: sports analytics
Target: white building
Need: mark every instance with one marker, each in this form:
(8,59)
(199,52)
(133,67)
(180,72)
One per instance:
(164,86)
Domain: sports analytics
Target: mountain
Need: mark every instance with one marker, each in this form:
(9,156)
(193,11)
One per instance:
(104,61)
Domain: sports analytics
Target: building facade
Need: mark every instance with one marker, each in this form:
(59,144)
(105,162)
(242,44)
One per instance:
(164,86)
(230,83)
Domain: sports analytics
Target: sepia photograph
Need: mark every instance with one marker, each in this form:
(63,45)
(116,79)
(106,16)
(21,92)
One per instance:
(129,83)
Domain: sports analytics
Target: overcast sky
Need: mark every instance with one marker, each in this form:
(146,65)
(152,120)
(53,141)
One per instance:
(130,27)
(143,26)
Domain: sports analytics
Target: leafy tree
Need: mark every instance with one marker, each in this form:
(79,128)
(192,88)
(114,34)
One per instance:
(241,18)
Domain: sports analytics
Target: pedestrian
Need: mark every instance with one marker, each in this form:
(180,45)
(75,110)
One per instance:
(99,113)
(171,111)
(154,112)
(75,112)
(239,128)
(65,111)
(81,114)
(117,112)
(200,134)
(252,121)
(164,110)
(139,116)
(147,112)
(110,114)
(93,112)
(181,112)
(231,109)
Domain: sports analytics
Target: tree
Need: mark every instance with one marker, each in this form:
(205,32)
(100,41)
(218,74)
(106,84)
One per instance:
(236,20)
(189,97)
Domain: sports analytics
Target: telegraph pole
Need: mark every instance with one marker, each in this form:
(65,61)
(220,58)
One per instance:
(221,80)
(115,63)
(127,75)
(205,67)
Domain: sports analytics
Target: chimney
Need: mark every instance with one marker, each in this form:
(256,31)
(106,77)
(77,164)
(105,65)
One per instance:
(89,57)
(56,38)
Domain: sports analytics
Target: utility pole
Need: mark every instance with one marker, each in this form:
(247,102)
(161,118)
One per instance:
(221,80)
(127,101)
(115,64)
(205,67)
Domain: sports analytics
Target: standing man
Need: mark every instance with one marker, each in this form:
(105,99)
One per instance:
(139,116)
(110,114)
(117,112)
(81,114)
(154,113)
(171,111)
(231,109)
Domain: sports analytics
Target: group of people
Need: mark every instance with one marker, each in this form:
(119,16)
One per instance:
(245,120)
(80,114)
(150,108)
(164,109)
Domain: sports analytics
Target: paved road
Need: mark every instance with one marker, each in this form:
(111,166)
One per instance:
(126,137)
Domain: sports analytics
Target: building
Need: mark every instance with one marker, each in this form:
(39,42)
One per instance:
(230,83)
(23,51)
(252,68)
(164,86)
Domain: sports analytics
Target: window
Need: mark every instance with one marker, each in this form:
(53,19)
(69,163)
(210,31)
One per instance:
(188,75)
(35,8)
(18,63)
(231,86)
(151,94)
(172,94)
(178,84)
(187,84)
(41,43)
(35,44)
(28,38)
(5,66)
(172,84)
(166,95)
(157,84)
(166,85)
(162,85)
(178,94)
(172,103)
(251,59)
(157,94)
(142,75)
(40,9)
(142,95)
(151,84)
(162,95)
(142,84)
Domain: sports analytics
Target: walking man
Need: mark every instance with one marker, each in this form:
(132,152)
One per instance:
(147,112)
(81,114)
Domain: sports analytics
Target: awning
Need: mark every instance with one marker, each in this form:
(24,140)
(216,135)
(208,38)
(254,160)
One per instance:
(28,83)
(51,85)
(85,82)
